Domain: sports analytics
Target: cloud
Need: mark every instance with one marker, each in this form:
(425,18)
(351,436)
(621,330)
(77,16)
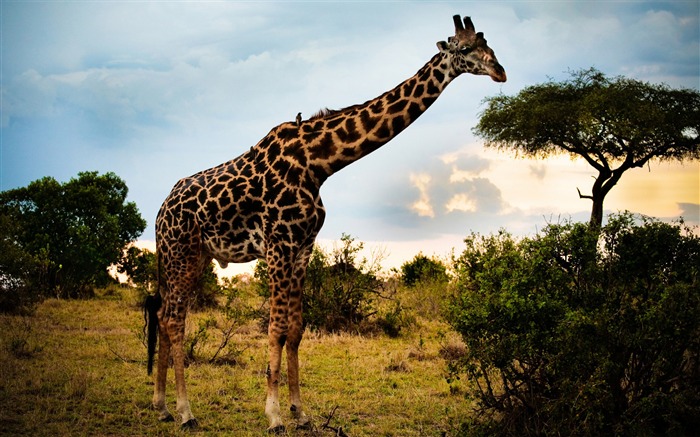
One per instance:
(461,202)
(690,213)
(538,170)
(422,206)
(451,184)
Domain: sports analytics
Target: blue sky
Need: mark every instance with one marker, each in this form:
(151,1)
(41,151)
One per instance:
(155,91)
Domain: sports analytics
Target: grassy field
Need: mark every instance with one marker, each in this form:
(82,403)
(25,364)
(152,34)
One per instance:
(78,368)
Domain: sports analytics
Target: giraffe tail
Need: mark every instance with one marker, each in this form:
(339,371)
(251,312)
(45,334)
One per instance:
(150,313)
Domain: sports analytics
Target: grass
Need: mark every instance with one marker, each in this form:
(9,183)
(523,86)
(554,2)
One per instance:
(78,368)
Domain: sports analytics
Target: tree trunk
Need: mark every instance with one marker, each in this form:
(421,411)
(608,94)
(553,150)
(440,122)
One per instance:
(605,181)
(596,221)
(598,192)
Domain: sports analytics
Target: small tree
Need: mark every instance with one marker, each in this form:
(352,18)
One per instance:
(73,231)
(423,269)
(613,124)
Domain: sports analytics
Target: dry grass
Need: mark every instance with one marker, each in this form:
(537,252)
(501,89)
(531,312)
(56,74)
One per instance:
(78,368)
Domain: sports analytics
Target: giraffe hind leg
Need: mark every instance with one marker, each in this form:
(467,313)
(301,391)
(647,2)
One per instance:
(176,332)
(161,378)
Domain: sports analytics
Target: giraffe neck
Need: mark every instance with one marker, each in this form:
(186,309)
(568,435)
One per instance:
(339,138)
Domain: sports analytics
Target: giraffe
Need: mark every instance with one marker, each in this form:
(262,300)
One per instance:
(265,204)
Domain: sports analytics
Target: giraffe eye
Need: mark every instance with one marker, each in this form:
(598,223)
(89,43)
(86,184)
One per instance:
(465,50)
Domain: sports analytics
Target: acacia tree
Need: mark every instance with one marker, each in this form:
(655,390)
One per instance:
(615,124)
(72,232)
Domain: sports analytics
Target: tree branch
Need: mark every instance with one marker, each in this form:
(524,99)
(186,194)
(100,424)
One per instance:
(583,196)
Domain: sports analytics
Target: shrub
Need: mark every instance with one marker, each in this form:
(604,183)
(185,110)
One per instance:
(577,332)
(211,340)
(341,290)
(423,269)
(393,321)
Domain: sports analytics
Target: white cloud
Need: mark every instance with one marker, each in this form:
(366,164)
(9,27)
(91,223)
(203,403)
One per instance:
(422,206)
(461,202)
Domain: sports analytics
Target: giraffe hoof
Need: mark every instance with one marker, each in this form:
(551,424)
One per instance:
(279,429)
(167,418)
(305,426)
(190,424)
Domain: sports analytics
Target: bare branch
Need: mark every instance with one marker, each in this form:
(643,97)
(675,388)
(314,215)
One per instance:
(339,430)
(583,196)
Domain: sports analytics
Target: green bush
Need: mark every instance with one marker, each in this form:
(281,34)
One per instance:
(211,341)
(340,292)
(575,332)
(64,236)
(422,269)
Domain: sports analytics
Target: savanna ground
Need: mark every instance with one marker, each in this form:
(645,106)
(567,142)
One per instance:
(77,367)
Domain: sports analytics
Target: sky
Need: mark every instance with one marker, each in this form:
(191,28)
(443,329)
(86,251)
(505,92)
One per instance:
(156,91)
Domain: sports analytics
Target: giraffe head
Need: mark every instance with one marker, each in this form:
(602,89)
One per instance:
(469,53)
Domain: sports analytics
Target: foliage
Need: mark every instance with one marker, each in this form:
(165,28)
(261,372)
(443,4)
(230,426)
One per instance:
(208,290)
(423,269)
(395,320)
(141,267)
(64,236)
(20,272)
(341,290)
(572,334)
(606,121)
(211,341)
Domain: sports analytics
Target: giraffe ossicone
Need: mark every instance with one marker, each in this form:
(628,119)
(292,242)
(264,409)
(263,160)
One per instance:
(265,204)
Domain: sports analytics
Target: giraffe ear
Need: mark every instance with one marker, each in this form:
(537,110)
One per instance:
(442,46)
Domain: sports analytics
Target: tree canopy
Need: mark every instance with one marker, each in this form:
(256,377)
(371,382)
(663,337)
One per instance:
(69,234)
(423,269)
(615,124)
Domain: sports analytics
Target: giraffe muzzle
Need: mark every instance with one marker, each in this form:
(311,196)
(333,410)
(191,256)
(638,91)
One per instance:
(498,73)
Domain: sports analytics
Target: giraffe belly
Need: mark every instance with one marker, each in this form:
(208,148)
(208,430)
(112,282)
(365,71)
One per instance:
(225,250)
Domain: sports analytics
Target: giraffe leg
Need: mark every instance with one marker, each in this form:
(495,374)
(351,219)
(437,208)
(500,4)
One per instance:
(277,332)
(293,341)
(177,331)
(296,331)
(161,376)
(272,405)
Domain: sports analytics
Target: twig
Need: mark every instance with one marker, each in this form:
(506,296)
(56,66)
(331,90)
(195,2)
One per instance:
(339,430)
(121,358)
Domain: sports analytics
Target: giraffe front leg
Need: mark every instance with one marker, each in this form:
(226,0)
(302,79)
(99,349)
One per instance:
(293,341)
(272,405)
(279,271)
(161,377)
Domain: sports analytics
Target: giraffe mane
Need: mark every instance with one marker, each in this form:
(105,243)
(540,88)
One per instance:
(324,112)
